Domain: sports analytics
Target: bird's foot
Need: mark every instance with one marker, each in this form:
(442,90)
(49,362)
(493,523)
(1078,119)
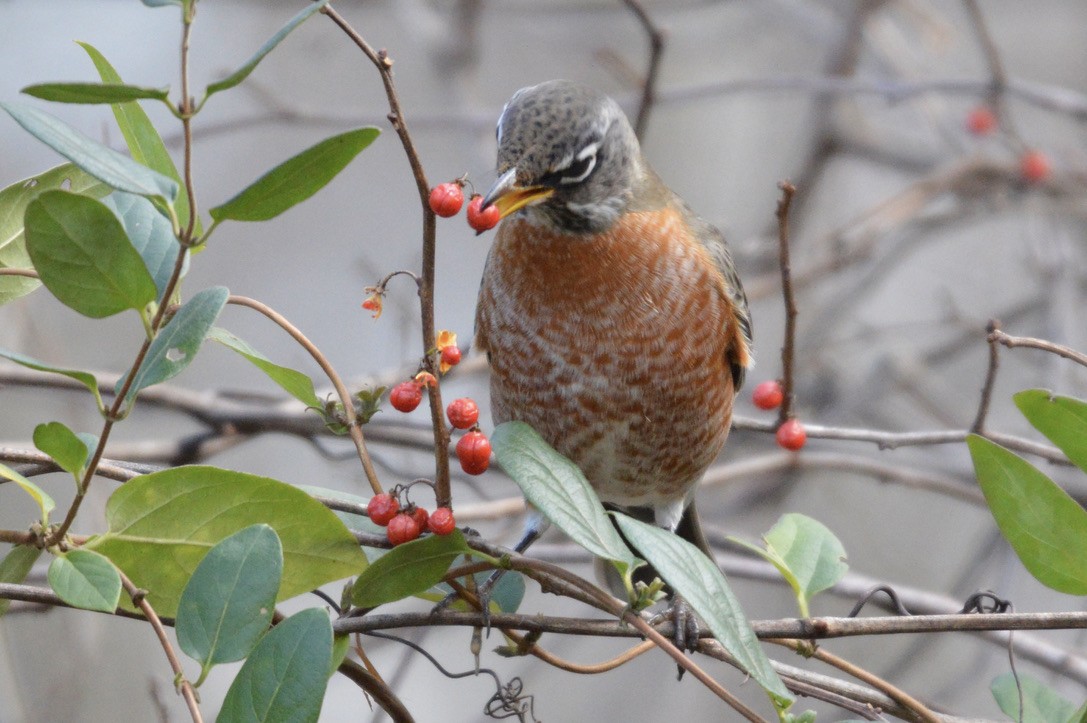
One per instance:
(685,626)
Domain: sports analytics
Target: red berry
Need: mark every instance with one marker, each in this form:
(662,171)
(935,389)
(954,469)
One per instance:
(446,199)
(981,121)
(382,508)
(402,528)
(441,521)
(768,395)
(463,413)
(791,434)
(479,218)
(474,453)
(451,356)
(420,516)
(1034,166)
(405,396)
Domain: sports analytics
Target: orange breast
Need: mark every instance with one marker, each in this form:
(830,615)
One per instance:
(613,347)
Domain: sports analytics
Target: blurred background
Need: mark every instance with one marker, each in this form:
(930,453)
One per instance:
(909,233)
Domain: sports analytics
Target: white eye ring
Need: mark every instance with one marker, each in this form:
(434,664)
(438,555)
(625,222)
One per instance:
(588,152)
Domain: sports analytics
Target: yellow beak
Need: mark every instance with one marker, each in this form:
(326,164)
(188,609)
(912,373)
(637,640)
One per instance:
(509,198)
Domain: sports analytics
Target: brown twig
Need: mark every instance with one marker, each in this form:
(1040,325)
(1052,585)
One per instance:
(353,427)
(377,689)
(139,599)
(649,82)
(978,427)
(904,699)
(384,65)
(1000,337)
(787,192)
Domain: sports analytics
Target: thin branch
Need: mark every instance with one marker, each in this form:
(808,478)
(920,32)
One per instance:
(978,427)
(353,426)
(904,699)
(649,82)
(377,689)
(384,65)
(996,335)
(787,192)
(139,599)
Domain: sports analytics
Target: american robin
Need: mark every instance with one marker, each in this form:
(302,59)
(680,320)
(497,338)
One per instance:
(612,315)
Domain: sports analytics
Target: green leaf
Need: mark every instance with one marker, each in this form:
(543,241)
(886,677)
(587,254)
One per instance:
(243,72)
(408,569)
(1062,419)
(85,378)
(14,568)
(67,450)
(1046,528)
(1041,704)
(45,502)
(102,162)
(294,382)
(177,343)
(807,554)
(700,582)
(83,256)
(13,202)
(161,525)
(284,679)
(557,488)
(94,92)
(228,603)
(144,142)
(341,646)
(85,579)
(296,179)
(150,234)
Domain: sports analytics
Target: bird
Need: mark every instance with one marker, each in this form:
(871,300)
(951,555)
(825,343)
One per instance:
(612,315)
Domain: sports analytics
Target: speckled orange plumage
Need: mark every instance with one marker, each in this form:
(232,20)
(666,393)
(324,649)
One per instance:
(617,347)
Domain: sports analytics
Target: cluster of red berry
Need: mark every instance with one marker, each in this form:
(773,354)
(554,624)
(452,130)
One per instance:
(791,433)
(404,525)
(473,449)
(446,200)
(1034,166)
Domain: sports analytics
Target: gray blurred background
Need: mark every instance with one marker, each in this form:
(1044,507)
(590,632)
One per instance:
(909,234)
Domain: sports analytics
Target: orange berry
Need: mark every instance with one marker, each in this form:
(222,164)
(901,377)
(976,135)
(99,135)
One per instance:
(402,528)
(450,357)
(981,121)
(791,435)
(446,199)
(405,396)
(479,218)
(382,508)
(463,413)
(768,395)
(441,522)
(1034,166)
(474,452)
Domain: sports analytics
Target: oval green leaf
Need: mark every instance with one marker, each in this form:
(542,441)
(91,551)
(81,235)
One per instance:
(229,601)
(161,525)
(63,445)
(13,202)
(144,142)
(83,256)
(45,502)
(150,234)
(15,566)
(701,583)
(85,579)
(93,93)
(1044,525)
(285,677)
(408,569)
(1062,419)
(292,381)
(559,490)
(1041,704)
(296,179)
(813,556)
(102,162)
(177,343)
(85,378)
(243,72)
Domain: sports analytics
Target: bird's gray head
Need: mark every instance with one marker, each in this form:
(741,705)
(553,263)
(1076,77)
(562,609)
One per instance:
(567,157)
